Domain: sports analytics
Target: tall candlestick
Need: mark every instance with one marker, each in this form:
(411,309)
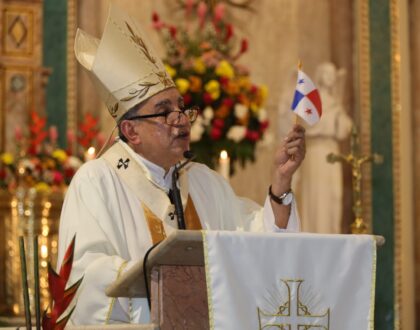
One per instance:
(224,164)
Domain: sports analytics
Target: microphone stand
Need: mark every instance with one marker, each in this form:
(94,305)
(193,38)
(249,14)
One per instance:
(176,195)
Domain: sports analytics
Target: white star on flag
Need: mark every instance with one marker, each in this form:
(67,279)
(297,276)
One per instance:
(307,102)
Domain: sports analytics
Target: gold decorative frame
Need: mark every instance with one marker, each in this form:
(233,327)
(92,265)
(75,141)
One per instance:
(71,66)
(403,317)
(402,151)
(363,106)
(396,109)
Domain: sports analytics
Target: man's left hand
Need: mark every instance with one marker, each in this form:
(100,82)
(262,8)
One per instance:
(288,158)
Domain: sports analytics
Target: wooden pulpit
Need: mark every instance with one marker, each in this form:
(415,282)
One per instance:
(176,277)
(177,281)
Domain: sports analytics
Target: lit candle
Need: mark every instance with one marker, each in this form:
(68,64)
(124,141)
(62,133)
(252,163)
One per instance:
(224,164)
(90,154)
(53,134)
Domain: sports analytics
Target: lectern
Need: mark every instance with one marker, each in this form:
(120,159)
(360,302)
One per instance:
(176,278)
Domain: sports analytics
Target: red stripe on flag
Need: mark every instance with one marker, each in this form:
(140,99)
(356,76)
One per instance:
(316,100)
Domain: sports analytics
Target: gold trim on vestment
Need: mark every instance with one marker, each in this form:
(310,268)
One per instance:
(208,279)
(156,229)
(155,225)
(112,303)
(192,220)
(373,286)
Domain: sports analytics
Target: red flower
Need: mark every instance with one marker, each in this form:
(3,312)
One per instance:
(215,133)
(2,173)
(252,135)
(187,98)
(244,46)
(219,12)
(201,12)
(264,125)
(224,81)
(173,31)
(254,89)
(229,32)
(57,177)
(207,98)
(228,102)
(69,172)
(218,123)
(157,24)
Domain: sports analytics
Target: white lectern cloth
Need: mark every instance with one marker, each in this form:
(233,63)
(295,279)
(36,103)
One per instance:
(263,281)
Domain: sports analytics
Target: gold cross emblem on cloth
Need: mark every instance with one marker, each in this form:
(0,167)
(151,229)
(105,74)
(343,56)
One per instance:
(293,314)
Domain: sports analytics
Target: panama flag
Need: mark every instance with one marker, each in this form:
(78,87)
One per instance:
(307,102)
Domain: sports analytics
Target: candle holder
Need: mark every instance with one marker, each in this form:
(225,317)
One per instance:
(27,213)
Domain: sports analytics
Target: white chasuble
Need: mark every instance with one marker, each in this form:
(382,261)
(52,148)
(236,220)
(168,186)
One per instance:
(104,207)
(290,281)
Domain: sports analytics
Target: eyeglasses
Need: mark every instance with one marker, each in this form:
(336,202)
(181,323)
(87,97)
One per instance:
(172,117)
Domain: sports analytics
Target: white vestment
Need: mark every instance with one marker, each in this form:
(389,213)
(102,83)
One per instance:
(112,233)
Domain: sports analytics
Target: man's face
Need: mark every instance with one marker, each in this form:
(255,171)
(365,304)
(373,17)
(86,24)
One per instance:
(161,143)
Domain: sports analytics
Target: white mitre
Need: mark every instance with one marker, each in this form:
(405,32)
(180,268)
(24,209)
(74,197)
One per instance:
(123,66)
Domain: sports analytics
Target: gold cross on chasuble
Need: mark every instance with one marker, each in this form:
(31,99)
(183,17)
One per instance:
(156,229)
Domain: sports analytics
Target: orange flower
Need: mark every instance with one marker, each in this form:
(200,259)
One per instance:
(244,100)
(243,121)
(232,87)
(222,112)
(196,84)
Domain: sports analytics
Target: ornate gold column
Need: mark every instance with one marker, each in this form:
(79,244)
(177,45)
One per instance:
(362,115)
(402,166)
(22,78)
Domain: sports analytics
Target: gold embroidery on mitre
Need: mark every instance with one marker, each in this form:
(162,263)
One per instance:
(165,79)
(133,92)
(139,42)
(156,229)
(113,110)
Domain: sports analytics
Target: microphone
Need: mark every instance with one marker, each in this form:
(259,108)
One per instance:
(176,196)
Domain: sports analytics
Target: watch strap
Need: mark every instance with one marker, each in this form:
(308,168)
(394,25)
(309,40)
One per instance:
(278,199)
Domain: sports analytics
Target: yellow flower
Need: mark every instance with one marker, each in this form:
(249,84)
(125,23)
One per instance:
(244,82)
(7,158)
(60,155)
(42,187)
(224,69)
(254,107)
(195,84)
(171,71)
(263,93)
(213,88)
(183,85)
(199,66)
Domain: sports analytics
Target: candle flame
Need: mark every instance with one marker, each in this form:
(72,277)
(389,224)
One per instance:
(91,151)
(223,154)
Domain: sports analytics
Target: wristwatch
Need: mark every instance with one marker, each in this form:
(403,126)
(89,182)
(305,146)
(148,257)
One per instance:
(284,199)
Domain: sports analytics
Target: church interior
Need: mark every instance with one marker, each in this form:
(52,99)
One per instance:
(361,174)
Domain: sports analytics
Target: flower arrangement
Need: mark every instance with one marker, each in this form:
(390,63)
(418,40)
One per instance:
(201,56)
(38,162)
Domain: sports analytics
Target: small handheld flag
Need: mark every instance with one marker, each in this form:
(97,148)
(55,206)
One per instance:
(307,102)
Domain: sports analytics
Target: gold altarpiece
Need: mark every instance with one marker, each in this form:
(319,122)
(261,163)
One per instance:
(22,89)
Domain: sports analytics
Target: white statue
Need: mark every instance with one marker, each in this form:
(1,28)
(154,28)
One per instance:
(319,186)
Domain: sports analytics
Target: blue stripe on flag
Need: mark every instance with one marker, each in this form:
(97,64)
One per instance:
(298,96)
